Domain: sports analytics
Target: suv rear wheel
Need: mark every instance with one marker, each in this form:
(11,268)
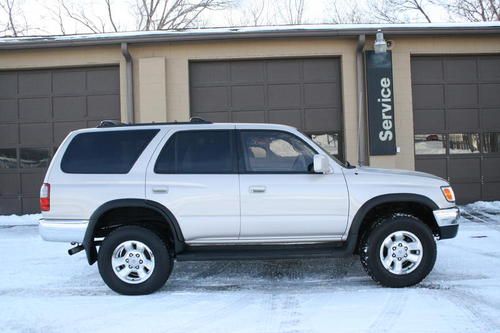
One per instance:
(399,251)
(134,261)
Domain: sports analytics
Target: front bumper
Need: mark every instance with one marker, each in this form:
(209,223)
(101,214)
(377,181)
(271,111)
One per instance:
(63,230)
(447,220)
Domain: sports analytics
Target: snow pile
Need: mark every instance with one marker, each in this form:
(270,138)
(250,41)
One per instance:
(482,211)
(15,220)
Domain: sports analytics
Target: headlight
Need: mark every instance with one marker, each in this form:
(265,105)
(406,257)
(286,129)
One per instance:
(448,193)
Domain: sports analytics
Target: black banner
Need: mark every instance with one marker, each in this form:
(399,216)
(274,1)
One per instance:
(380,95)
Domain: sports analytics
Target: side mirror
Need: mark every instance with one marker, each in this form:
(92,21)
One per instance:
(321,164)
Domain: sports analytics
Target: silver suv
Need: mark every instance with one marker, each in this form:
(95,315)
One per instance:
(149,194)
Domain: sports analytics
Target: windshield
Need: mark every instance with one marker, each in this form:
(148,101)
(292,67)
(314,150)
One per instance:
(344,164)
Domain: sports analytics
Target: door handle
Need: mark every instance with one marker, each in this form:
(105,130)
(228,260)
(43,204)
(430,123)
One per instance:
(160,189)
(257,189)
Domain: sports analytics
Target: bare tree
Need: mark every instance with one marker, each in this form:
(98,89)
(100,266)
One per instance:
(174,14)
(398,11)
(14,23)
(251,13)
(291,11)
(345,11)
(472,10)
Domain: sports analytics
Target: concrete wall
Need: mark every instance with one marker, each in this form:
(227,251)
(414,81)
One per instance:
(161,77)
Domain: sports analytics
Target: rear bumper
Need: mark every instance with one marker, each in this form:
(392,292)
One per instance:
(447,220)
(63,230)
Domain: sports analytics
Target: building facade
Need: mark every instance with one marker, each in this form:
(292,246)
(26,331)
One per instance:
(446,94)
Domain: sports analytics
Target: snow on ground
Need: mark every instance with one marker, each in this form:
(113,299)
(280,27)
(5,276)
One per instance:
(15,220)
(42,289)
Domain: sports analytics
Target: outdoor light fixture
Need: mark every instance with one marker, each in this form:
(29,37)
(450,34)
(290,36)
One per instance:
(380,45)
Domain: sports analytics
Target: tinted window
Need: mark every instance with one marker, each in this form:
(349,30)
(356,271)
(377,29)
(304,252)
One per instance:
(467,143)
(34,157)
(197,152)
(429,144)
(8,158)
(491,142)
(275,152)
(105,152)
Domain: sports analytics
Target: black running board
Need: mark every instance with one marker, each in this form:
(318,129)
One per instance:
(262,252)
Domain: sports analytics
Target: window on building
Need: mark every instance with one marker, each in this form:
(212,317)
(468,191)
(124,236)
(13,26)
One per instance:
(275,152)
(107,152)
(430,144)
(491,142)
(8,158)
(463,143)
(34,157)
(201,152)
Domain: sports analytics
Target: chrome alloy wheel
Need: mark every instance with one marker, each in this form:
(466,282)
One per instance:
(401,252)
(133,262)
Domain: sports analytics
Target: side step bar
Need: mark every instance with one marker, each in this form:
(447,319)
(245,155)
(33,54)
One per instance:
(256,252)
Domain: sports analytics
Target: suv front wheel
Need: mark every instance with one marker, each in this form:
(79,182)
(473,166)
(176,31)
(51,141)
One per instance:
(399,251)
(134,261)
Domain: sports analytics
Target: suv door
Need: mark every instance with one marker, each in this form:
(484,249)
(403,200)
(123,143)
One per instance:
(194,175)
(282,199)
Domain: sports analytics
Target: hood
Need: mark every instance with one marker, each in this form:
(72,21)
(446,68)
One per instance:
(396,172)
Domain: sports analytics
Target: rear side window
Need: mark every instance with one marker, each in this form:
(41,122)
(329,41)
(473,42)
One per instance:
(208,152)
(105,152)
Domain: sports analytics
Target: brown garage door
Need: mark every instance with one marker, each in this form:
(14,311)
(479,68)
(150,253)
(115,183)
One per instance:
(304,93)
(456,109)
(37,109)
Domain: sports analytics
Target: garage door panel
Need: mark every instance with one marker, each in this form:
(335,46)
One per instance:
(8,110)
(428,120)
(489,94)
(33,122)
(467,192)
(322,120)
(62,129)
(318,70)
(249,116)
(490,119)
(8,84)
(284,95)
(103,107)
(36,134)
(10,206)
(216,117)
(428,96)
(208,73)
(491,169)
(209,99)
(489,68)
(462,119)
(467,169)
(461,95)
(247,72)
(248,97)
(321,94)
(11,184)
(34,83)
(460,69)
(9,135)
(283,71)
(427,70)
(105,81)
(491,191)
(35,109)
(435,166)
(287,117)
(69,108)
(69,82)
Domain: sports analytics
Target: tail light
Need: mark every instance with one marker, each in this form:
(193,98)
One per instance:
(45,197)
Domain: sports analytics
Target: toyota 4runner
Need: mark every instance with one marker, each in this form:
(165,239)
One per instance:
(137,198)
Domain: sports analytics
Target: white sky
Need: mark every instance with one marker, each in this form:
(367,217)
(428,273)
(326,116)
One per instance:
(41,15)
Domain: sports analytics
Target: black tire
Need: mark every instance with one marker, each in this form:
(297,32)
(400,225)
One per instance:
(372,241)
(163,260)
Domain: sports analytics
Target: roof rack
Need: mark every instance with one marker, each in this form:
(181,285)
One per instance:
(116,123)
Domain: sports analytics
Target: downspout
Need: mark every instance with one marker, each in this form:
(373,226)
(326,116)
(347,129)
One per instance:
(130,82)
(360,81)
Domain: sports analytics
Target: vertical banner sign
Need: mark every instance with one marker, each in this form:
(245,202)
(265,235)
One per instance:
(380,100)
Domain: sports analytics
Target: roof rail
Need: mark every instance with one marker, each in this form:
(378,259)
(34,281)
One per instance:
(116,123)
(110,123)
